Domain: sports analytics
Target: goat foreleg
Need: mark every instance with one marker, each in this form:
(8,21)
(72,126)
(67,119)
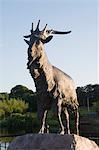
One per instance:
(43,122)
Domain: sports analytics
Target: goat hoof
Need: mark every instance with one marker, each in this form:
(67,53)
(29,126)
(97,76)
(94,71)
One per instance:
(41,132)
(68,132)
(62,132)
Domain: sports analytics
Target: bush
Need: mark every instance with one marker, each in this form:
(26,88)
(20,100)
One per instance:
(7,107)
(13,122)
(2,113)
(20,122)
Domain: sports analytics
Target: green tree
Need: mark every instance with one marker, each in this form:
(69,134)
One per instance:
(4,96)
(22,92)
(2,113)
(18,91)
(7,107)
(96,92)
(81,95)
(88,93)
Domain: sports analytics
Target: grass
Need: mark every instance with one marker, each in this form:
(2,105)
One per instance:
(84,111)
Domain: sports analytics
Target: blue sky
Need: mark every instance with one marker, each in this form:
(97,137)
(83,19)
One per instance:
(75,53)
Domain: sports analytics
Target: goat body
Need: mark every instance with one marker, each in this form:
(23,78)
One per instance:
(53,86)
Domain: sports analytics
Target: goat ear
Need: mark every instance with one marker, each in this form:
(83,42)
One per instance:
(47,39)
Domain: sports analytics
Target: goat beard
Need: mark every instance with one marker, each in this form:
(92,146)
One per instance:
(34,61)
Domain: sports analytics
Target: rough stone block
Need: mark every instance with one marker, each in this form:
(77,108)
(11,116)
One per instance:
(52,142)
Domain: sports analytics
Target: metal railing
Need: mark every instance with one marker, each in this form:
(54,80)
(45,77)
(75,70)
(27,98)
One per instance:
(4,145)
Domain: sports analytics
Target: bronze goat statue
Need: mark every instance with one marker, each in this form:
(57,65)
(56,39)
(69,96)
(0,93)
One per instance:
(53,86)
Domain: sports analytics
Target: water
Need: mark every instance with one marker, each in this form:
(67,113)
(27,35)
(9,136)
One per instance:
(4,145)
(6,137)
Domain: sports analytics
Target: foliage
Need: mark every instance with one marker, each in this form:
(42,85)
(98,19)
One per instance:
(88,93)
(4,96)
(96,106)
(2,113)
(20,122)
(7,107)
(16,108)
(18,91)
(24,93)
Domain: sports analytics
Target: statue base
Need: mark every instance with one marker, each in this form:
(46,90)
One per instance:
(52,142)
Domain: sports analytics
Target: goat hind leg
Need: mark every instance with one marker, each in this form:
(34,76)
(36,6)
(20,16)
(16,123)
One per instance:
(67,120)
(60,119)
(76,113)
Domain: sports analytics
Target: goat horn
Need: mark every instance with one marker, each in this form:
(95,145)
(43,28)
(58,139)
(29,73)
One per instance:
(45,27)
(60,32)
(27,36)
(37,28)
(32,28)
(28,42)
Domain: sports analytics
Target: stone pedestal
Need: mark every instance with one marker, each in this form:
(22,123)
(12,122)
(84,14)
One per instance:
(52,142)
